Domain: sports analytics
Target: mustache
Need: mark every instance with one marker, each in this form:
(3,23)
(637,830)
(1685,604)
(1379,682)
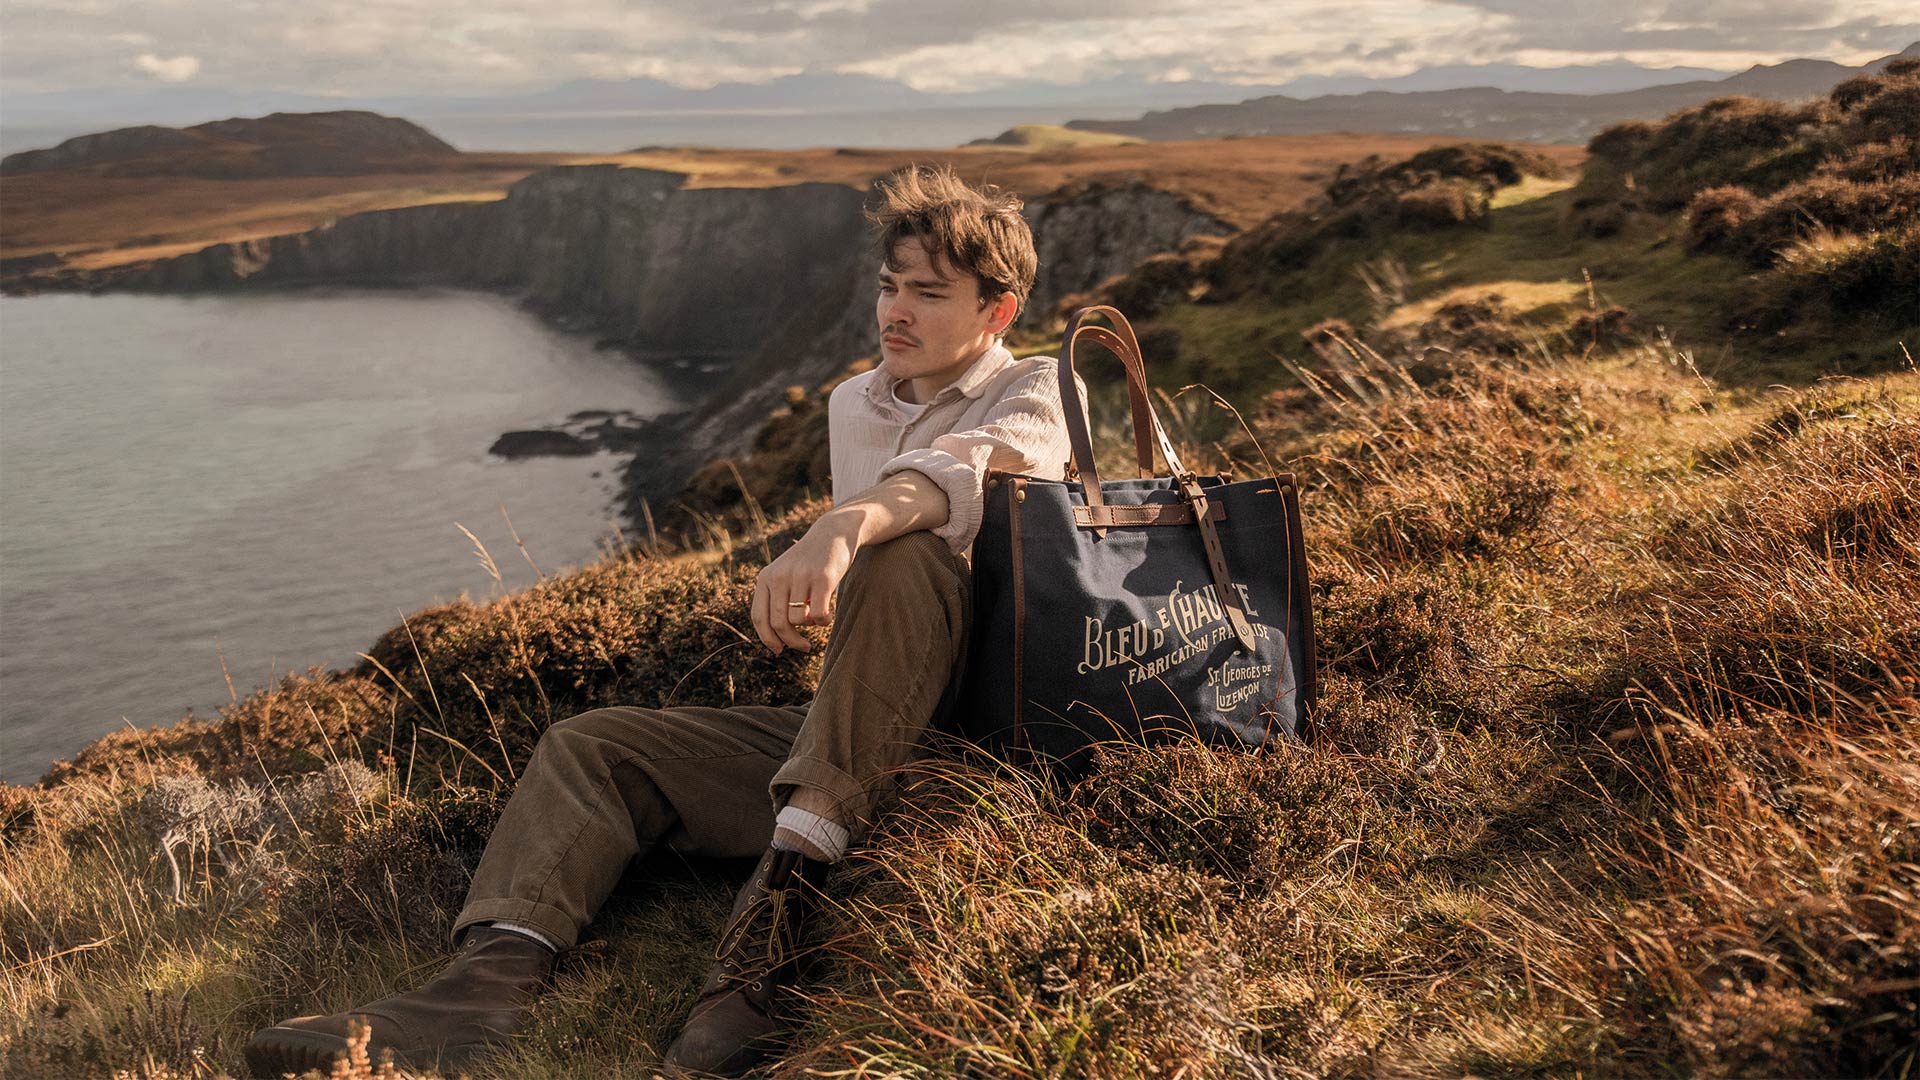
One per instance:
(897,332)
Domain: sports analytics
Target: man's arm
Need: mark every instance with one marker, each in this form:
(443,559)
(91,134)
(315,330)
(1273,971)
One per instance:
(812,568)
(937,488)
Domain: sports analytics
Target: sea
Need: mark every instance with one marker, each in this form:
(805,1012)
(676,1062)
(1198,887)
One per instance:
(199,494)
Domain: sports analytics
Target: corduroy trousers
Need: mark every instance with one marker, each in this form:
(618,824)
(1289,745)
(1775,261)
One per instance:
(605,786)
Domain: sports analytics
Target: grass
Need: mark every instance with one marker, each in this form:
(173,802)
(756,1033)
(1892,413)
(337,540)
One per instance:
(1546,832)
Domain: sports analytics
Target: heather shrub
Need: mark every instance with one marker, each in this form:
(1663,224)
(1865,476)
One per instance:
(1418,637)
(1439,187)
(1827,203)
(1492,164)
(1247,820)
(1600,217)
(1875,274)
(1849,93)
(1485,324)
(397,876)
(1715,216)
(1870,162)
(1147,289)
(1891,113)
(1690,159)
(1623,142)
(1017,947)
(1487,165)
(632,631)
(1465,465)
(1727,141)
(1440,203)
(296,725)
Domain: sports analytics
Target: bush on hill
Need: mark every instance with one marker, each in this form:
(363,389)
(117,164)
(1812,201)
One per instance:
(1441,187)
(1755,175)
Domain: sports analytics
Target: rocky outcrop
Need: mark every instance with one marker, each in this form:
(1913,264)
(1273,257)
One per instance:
(1086,234)
(753,290)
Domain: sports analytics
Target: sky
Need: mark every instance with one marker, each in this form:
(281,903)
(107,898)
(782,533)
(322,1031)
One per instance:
(362,48)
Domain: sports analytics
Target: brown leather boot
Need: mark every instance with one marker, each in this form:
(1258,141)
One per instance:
(734,1025)
(473,1006)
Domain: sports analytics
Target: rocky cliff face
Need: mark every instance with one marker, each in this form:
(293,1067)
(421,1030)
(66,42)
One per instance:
(765,288)
(1087,234)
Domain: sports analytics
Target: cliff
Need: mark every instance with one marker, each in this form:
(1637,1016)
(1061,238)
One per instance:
(761,288)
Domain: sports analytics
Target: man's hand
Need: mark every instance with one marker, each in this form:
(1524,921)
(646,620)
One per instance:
(811,569)
(797,588)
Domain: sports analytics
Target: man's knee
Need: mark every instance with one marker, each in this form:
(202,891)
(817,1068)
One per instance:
(918,556)
(592,724)
(596,733)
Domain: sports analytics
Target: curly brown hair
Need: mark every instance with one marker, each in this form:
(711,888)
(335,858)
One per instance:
(972,230)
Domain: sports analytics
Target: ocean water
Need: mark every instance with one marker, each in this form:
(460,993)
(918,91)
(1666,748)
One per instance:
(198,488)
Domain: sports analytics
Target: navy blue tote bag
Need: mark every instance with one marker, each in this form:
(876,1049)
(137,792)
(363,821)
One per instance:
(1140,610)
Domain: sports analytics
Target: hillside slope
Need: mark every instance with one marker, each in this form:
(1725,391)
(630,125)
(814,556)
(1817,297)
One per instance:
(281,144)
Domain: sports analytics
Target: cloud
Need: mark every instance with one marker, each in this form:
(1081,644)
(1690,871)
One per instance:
(392,47)
(1733,32)
(171,69)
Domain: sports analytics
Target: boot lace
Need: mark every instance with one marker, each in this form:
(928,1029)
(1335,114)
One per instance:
(760,941)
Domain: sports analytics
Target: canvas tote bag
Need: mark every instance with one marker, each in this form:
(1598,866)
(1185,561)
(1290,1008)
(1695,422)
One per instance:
(1142,609)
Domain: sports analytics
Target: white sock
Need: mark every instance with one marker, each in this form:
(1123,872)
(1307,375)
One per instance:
(525,931)
(810,834)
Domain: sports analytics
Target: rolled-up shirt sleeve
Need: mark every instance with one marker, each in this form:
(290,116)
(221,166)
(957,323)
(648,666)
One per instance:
(1025,432)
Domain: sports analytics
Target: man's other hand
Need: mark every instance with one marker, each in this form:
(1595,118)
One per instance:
(797,588)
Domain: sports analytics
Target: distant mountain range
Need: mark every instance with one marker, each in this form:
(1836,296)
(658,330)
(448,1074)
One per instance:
(1493,100)
(1486,112)
(487,122)
(180,105)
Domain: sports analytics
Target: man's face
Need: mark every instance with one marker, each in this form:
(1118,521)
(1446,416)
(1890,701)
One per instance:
(932,323)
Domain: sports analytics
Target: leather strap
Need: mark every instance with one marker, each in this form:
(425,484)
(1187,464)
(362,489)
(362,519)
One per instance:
(1107,514)
(1121,342)
(1017,494)
(1217,561)
(1144,419)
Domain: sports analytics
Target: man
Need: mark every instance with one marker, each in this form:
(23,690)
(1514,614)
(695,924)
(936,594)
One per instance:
(887,568)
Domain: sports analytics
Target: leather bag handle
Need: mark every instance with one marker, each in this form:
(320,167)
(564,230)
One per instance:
(1121,342)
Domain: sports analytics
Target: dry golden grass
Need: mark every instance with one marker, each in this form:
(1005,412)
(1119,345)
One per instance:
(1618,778)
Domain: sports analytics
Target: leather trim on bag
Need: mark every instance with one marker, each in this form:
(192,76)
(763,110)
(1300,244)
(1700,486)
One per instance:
(1017,494)
(1107,514)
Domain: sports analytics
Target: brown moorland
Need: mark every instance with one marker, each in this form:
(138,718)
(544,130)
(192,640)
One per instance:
(89,218)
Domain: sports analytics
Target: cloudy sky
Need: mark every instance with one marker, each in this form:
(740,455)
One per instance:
(366,48)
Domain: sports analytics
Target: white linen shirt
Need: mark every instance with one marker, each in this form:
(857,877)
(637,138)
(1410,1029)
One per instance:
(1001,413)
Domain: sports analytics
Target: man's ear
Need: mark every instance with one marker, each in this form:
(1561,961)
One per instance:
(1004,311)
